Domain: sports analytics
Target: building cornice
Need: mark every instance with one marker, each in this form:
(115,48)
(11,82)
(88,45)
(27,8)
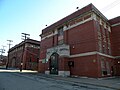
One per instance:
(69,27)
(115,24)
(85,9)
(90,53)
(35,42)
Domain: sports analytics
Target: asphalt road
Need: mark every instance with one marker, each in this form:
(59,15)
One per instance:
(17,81)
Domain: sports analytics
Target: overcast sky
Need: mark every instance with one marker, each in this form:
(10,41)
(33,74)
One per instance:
(31,16)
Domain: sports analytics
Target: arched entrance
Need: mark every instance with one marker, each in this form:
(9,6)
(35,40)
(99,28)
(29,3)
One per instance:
(54,63)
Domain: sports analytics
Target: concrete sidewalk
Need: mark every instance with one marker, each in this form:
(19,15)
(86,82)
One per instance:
(113,82)
(108,82)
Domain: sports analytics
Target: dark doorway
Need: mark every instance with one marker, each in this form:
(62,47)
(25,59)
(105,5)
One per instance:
(54,63)
(112,71)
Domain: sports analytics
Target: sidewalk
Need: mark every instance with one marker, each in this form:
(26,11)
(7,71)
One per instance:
(108,82)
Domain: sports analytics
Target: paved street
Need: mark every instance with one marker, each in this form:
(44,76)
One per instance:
(13,80)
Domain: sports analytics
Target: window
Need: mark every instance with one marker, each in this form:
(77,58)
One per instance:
(104,38)
(104,48)
(103,30)
(103,67)
(109,49)
(60,35)
(99,36)
(87,17)
(79,20)
(60,31)
(72,23)
(98,25)
(108,67)
(100,45)
(103,64)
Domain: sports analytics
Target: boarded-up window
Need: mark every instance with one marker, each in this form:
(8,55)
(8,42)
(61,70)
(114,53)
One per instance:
(60,35)
(79,20)
(108,68)
(87,16)
(103,67)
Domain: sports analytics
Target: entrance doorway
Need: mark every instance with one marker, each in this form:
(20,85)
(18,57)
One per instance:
(54,63)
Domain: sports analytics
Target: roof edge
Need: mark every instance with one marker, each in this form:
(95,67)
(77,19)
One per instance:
(89,7)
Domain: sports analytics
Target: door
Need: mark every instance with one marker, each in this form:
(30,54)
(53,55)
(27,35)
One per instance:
(54,63)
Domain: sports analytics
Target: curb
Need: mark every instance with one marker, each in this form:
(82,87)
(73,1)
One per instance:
(77,82)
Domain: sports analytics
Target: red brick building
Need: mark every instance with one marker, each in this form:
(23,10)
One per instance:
(80,45)
(25,53)
(115,42)
(3,60)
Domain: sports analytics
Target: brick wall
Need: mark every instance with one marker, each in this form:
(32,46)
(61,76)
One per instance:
(82,38)
(115,35)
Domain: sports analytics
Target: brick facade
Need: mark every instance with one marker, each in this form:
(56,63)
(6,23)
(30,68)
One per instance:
(3,60)
(29,56)
(115,38)
(81,44)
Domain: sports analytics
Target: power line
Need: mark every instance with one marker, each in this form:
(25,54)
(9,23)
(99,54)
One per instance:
(108,7)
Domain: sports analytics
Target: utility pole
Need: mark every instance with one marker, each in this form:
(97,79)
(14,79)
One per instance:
(25,35)
(2,51)
(9,44)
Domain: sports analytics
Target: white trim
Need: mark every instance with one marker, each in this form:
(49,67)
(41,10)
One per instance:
(65,28)
(50,35)
(74,25)
(105,55)
(40,60)
(43,38)
(115,24)
(47,36)
(83,54)
(109,29)
(94,16)
(60,73)
(64,73)
(62,50)
(47,72)
(100,21)
(90,53)
(105,25)
(117,56)
(56,32)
